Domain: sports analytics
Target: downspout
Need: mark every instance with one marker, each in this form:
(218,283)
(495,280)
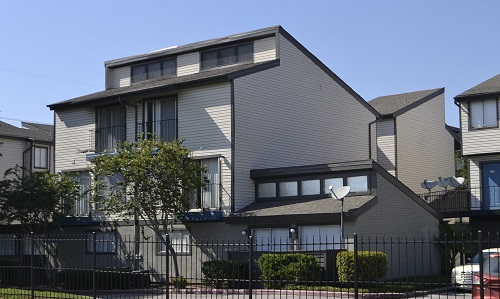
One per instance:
(377,119)
(137,228)
(32,145)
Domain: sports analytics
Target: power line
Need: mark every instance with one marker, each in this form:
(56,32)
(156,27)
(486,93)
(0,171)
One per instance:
(48,77)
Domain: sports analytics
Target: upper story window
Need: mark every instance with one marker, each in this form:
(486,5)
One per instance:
(160,119)
(311,186)
(483,114)
(227,56)
(41,157)
(111,128)
(167,67)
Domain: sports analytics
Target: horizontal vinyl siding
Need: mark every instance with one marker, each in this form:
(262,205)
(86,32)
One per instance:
(72,137)
(204,121)
(264,49)
(386,145)
(294,115)
(118,77)
(425,149)
(397,217)
(12,153)
(479,141)
(188,64)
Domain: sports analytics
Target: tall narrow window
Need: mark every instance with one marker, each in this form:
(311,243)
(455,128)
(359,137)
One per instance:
(41,157)
(209,197)
(111,128)
(81,206)
(160,119)
(483,114)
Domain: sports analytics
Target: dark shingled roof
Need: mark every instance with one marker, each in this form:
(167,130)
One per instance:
(393,105)
(39,132)
(488,87)
(312,209)
(171,82)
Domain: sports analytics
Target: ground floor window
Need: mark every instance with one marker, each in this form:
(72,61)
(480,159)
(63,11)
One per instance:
(180,240)
(319,237)
(272,239)
(105,242)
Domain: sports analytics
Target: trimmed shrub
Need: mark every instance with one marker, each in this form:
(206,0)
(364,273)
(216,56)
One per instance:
(372,265)
(280,270)
(179,282)
(225,273)
(105,279)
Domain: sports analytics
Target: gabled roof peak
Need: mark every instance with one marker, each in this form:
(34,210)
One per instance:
(393,105)
(488,87)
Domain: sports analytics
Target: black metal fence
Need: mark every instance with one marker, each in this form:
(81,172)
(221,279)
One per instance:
(110,265)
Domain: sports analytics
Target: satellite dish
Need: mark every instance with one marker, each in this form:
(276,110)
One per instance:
(339,193)
(428,184)
(455,182)
(444,182)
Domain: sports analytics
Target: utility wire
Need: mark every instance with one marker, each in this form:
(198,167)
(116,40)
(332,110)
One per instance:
(53,78)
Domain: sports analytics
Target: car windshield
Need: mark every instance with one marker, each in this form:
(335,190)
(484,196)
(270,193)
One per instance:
(475,259)
(492,265)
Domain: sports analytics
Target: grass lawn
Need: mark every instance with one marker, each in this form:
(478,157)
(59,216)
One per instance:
(9,293)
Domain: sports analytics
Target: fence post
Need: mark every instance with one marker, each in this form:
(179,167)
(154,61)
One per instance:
(480,246)
(250,266)
(356,266)
(32,262)
(94,262)
(167,265)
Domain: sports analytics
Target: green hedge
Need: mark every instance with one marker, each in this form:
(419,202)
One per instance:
(372,265)
(105,279)
(9,272)
(279,270)
(225,273)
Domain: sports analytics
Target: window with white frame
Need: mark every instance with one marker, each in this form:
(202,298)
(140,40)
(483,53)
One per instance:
(111,127)
(81,206)
(209,196)
(483,114)
(105,242)
(319,237)
(41,157)
(180,241)
(271,239)
(160,118)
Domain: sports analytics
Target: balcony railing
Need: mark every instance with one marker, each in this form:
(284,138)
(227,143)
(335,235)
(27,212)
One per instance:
(106,138)
(469,200)
(165,129)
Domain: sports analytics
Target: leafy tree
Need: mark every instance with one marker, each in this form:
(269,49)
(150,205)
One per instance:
(34,200)
(153,180)
(456,241)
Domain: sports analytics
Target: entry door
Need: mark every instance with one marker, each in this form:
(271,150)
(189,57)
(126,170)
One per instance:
(491,185)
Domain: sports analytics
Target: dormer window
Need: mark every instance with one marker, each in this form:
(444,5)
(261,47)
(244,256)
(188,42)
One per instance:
(151,70)
(227,56)
(483,114)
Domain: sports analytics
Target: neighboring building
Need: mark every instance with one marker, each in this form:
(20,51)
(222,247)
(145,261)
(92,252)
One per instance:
(481,145)
(412,141)
(31,147)
(261,113)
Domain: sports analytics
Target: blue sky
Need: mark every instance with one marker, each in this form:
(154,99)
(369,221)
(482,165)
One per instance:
(55,50)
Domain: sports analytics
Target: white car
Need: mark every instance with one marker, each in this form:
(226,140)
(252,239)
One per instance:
(461,276)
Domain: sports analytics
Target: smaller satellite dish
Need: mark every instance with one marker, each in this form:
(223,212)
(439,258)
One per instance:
(428,184)
(444,182)
(455,182)
(339,193)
